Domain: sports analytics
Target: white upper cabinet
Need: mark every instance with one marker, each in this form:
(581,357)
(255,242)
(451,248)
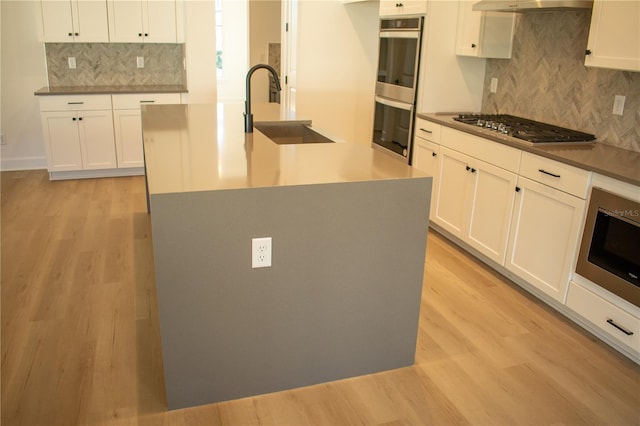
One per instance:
(142,21)
(402,7)
(614,35)
(65,21)
(484,34)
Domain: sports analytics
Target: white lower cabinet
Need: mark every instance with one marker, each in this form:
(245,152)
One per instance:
(426,151)
(474,202)
(101,133)
(617,322)
(76,136)
(475,190)
(128,129)
(128,125)
(546,224)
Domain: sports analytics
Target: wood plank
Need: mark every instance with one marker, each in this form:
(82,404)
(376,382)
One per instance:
(81,343)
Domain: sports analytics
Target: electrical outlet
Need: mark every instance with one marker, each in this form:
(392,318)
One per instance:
(72,62)
(140,61)
(494,85)
(618,104)
(261,252)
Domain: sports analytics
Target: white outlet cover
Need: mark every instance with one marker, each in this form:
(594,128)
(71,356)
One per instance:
(140,61)
(261,252)
(618,104)
(72,62)
(494,85)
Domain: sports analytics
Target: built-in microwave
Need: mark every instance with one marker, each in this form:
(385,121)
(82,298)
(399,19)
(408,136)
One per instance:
(610,251)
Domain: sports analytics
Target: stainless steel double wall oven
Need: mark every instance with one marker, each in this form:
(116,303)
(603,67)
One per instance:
(396,86)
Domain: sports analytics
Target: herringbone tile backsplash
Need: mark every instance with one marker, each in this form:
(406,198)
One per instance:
(114,64)
(546,80)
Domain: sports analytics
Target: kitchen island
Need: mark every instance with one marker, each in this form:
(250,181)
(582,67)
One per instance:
(348,227)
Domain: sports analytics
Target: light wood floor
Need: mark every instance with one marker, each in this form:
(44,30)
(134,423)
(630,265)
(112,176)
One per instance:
(80,340)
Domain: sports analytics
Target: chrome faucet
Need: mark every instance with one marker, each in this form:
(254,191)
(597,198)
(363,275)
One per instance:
(248,116)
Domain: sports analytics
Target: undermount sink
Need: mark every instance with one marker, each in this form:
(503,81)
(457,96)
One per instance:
(290,132)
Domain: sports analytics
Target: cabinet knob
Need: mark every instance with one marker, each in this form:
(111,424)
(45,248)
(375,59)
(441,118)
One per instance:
(587,52)
(79,118)
(70,34)
(517,189)
(472,169)
(77,34)
(433,154)
(146,34)
(139,34)
(473,45)
(398,4)
(468,168)
(74,119)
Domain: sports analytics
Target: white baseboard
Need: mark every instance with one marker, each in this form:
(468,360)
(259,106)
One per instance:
(88,174)
(23,163)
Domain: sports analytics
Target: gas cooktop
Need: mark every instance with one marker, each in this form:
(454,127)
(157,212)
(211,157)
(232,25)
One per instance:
(528,130)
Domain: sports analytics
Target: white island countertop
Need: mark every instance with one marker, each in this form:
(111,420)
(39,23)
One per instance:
(203,147)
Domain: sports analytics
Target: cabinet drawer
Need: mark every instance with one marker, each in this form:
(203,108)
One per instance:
(75,102)
(558,175)
(489,151)
(604,314)
(134,100)
(428,130)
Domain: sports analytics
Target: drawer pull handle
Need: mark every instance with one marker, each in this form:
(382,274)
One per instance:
(425,130)
(627,332)
(548,173)
(75,103)
(147,102)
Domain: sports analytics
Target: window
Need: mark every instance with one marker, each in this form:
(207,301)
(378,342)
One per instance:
(219,38)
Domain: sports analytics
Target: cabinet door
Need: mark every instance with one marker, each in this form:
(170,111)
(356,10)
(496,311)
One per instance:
(159,18)
(128,129)
(614,35)
(125,21)
(484,34)
(544,236)
(57,24)
(425,158)
(403,7)
(62,141)
(468,34)
(491,207)
(90,21)
(453,185)
(96,139)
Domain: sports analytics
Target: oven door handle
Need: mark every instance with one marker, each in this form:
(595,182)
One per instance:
(394,104)
(400,34)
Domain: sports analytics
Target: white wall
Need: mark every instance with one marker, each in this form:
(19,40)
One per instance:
(337,54)
(264,28)
(23,72)
(447,82)
(235,50)
(200,51)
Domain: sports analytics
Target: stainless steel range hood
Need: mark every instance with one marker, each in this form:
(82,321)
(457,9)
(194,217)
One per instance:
(522,6)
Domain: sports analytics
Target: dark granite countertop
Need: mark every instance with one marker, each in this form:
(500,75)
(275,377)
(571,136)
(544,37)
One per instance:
(109,90)
(597,157)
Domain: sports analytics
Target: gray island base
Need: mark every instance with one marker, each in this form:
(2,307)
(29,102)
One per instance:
(341,299)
